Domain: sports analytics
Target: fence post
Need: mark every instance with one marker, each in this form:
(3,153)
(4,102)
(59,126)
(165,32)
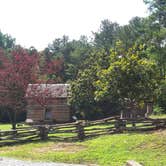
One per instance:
(43,132)
(80,131)
(158,124)
(15,133)
(124,124)
(120,125)
(133,125)
(117,125)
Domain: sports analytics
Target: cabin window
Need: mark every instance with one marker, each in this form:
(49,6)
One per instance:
(48,114)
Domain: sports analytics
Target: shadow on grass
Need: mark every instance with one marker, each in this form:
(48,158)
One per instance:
(36,140)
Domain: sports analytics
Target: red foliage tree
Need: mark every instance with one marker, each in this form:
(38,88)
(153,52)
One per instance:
(19,70)
(53,68)
(39,93)
(42,92)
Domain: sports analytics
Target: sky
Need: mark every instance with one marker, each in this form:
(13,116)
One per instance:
(38,22)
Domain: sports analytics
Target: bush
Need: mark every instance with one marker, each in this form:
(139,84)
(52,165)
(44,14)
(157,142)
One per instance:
(157,110)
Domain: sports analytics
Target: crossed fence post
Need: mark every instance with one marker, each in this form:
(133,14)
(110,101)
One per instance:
(120,125)
(43,132)
(80,130)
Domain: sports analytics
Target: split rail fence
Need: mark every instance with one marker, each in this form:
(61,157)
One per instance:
(79,130)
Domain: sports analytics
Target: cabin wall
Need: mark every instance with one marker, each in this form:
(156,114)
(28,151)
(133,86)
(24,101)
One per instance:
(59,109)
(35,114)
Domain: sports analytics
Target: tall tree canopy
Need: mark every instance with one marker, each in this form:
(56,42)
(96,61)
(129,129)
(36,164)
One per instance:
(107,35)
(130,77)
(158,10)
(6,41)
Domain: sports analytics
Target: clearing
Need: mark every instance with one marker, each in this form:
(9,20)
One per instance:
(147,148)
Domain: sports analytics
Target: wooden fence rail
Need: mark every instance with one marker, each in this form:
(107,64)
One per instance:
(85,129)
(18,136)
(79,130)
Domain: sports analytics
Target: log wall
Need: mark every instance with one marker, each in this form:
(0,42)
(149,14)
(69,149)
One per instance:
(59,110)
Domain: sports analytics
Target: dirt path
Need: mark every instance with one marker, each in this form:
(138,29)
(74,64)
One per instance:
(14,162)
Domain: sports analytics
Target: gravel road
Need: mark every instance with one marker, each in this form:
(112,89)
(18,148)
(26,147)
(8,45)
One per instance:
(13,162)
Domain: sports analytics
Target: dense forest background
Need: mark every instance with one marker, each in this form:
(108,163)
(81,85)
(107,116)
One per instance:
(117,66)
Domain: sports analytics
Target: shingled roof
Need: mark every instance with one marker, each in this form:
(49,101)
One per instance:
(51,90)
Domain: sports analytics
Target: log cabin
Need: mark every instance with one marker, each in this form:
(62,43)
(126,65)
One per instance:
(47,103)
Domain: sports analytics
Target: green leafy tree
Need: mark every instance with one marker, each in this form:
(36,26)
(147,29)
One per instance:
(157,43)
(158,11)
(83,89)
(157,33)
(157,50)
(162,97)
(6,41)
(73,52)
(129,77)
(82,99)
(137,31)
(107,35)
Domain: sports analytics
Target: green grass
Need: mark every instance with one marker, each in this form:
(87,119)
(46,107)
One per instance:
(5,126)
(147,148)
(158,116)
(110,150)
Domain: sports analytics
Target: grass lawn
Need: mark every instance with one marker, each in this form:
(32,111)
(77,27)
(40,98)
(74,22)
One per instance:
(109,150)
(146,148)
(158,116)
(5,126)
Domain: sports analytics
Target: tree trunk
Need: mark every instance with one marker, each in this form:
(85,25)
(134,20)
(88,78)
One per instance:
(13,125)
(12,117)
(14,120)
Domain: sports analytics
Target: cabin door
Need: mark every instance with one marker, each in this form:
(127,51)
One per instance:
(48,114)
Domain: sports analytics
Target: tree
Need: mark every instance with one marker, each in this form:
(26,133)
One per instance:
(15,75)
(82,99)
(51,70)
(137,31)
(157,49)
(129,77)
(157,33)
(40,94)
(158,11)
(43,91)
(83,89)
(6,41)
(72,52)
(80,51)
(107,35)
(58,46)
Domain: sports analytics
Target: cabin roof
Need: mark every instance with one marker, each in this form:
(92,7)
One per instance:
(49,90)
